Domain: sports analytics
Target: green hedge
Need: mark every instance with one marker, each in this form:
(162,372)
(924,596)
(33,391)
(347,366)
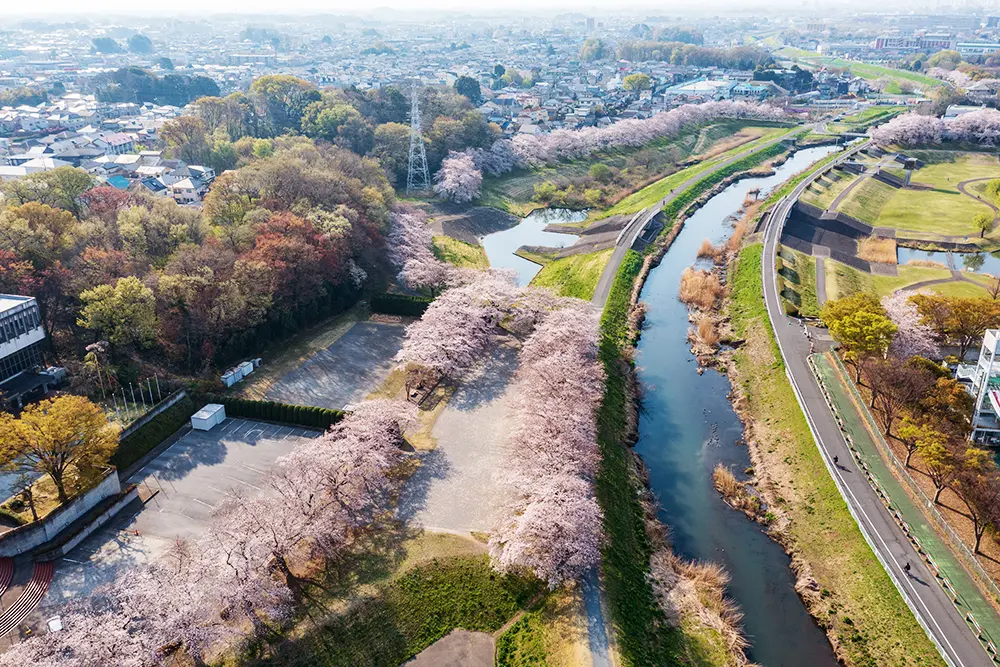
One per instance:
(149,435)
(400,304)
(272,411)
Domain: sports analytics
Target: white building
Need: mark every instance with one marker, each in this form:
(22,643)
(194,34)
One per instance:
(983,381)
(22,338)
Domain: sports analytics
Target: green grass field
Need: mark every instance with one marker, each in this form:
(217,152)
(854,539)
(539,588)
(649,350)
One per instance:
(843,280)
(867,200)
(864,70)
(654,192)
(460,253)
(858,602)
(576,275)
(409,613)
(942,209)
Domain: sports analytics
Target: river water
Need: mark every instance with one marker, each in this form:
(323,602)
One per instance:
(688,425)
(500,246)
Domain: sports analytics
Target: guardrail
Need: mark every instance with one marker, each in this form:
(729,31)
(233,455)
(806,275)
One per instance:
(984,639)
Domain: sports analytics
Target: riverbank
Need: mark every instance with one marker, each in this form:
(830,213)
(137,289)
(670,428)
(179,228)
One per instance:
(841,581)
(664,611)
(641,549)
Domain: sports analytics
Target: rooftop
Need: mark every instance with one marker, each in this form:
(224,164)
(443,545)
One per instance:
(8,301)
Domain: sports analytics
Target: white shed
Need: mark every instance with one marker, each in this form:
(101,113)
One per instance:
(208,416)
(247,368)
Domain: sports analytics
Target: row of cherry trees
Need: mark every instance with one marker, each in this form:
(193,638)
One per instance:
(981,127)
(551,523)
(460,176)
(251,565)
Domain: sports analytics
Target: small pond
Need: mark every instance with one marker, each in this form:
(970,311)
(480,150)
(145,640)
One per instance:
(501,246)
(977,262)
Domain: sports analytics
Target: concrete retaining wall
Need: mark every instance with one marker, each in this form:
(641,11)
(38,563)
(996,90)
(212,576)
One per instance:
(98,521)
(25,538)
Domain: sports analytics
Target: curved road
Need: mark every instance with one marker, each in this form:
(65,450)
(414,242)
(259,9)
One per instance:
(931,606)
(639,220)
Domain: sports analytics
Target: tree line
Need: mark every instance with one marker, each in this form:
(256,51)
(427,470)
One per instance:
(918,402)
(281,242)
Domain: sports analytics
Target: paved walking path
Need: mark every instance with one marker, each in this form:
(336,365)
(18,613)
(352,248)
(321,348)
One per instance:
(929,602)
(821,296)
(870,452)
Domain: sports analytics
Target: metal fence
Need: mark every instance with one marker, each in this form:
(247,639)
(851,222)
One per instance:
(963,551)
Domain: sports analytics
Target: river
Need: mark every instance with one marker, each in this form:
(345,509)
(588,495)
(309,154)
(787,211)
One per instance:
(688,425)
(501,246)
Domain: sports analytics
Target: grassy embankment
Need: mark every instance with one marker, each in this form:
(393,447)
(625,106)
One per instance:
(825,189)
(654,192)
(866,71)
(460,253)
(576,275)
(514,192)
(856,602)
(798,281)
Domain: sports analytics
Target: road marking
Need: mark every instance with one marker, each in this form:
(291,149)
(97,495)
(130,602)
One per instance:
(770,251)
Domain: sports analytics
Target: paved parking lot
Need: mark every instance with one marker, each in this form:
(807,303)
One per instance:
(346,371)
(190,478)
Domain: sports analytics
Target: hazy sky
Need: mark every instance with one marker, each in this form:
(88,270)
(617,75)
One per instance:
(69,8)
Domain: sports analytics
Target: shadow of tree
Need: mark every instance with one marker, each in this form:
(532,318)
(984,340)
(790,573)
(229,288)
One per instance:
(434,466)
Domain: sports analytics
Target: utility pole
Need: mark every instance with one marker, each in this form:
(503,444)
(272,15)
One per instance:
(417,177)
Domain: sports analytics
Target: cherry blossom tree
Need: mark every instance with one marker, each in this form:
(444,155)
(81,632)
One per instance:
(913,336)
(411,250)
(459,179)
(459,327)
(551,523)
(909,130)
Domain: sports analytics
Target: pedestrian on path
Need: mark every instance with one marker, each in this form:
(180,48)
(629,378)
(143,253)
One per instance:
(907,567)
(836,460)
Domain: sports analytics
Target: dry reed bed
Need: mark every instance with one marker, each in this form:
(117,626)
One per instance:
(877,249)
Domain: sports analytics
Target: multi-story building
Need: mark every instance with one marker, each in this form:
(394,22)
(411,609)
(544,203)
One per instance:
(982,380)
(22,339)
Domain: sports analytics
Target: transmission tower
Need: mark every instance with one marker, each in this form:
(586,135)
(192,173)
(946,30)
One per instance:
(417,177)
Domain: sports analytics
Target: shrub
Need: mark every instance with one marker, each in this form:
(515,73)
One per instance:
(399,304)
(299,415)
(700,288)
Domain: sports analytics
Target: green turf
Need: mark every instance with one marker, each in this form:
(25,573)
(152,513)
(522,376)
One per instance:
(523,644)
(412,612)
(576,275)
(867,200)
(460,253)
